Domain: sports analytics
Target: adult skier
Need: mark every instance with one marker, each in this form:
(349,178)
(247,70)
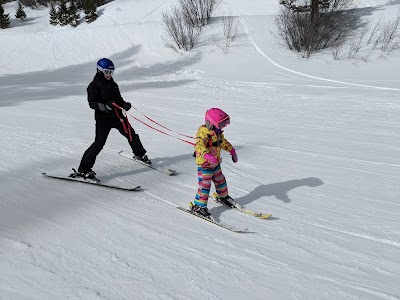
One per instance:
(110,112)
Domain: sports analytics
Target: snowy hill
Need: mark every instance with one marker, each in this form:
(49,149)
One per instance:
(318,146)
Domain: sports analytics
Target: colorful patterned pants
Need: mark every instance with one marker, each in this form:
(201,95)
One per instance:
(206,176)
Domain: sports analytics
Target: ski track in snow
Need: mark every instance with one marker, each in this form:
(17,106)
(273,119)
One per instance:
(251,40)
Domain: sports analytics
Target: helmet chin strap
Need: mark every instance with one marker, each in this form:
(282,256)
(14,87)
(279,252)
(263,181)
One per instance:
(218,131)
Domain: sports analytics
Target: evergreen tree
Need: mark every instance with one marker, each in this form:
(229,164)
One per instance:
(53,14)
(73,15)
(20,14)
(62,13)
(79,4)
(90,9)
(4,18)
(314,7)
(100,2)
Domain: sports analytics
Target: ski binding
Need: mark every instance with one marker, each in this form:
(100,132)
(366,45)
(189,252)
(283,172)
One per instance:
(91,181)
(212,220)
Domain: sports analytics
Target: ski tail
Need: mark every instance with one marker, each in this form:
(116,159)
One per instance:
(213,221)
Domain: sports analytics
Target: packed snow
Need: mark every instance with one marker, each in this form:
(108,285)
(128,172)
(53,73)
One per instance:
(318,142)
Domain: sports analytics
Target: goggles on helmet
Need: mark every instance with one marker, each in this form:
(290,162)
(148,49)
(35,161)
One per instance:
(224,122)
(106,71)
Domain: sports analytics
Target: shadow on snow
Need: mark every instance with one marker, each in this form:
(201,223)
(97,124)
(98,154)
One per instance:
(73,80)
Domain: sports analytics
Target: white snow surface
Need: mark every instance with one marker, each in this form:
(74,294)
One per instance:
(318,142)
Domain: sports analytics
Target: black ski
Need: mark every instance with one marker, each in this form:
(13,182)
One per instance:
(160,169)
(92,181)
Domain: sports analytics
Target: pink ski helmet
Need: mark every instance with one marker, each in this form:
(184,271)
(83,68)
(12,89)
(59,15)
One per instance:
(217,118)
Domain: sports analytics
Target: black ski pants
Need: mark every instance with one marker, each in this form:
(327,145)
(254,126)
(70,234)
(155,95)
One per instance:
(103,128)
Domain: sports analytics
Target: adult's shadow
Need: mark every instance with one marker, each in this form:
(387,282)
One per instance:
(280,190)
(156,162)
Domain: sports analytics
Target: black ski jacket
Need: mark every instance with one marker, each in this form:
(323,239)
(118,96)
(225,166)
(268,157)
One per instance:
(101,90)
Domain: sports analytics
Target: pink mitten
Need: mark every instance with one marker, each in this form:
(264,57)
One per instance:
(211,159)
(234,155)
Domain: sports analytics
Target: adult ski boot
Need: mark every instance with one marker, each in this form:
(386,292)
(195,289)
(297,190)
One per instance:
(91,175)
(143,158)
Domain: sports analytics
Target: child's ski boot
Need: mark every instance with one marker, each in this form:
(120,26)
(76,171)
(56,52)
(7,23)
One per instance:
(199,210)
(227,201)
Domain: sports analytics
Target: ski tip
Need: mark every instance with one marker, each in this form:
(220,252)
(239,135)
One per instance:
(257,215)
(264,216)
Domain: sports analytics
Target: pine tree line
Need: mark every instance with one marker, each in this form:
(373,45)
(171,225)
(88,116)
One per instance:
(65,12)
(4,18)
(37,3)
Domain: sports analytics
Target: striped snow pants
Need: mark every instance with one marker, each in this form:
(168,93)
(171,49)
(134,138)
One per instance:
(206,176)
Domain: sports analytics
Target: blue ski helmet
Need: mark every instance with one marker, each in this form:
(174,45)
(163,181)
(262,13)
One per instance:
(106,66)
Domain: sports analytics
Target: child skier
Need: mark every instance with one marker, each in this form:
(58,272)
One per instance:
(209,142)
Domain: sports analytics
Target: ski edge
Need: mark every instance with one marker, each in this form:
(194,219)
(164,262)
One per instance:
(222,225)
(243,209)
(135,188)
(160,169)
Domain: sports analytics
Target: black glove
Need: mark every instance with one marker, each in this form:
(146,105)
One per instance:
(110,105)
(127,106)
(103,107)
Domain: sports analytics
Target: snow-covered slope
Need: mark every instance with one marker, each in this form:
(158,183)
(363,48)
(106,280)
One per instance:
(318,145)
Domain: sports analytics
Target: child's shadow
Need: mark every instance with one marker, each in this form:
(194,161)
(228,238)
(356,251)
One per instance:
(279,190)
